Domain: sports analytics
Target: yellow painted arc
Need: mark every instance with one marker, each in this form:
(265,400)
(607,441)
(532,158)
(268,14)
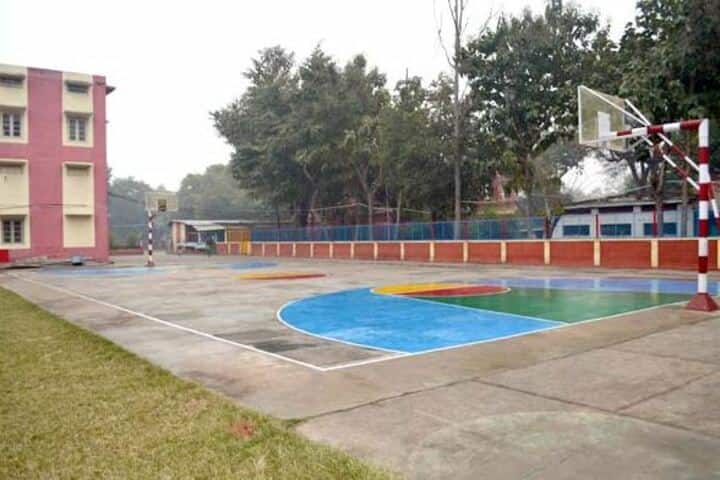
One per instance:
(272,275)
(415,287)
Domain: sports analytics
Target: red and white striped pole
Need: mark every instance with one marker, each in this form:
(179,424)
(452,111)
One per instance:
(150,262)
(702,300)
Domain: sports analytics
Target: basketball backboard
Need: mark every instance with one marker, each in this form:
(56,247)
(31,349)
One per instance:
(161,202)
(598,115)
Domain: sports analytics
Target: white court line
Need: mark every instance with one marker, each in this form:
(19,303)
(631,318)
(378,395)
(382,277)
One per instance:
(170,324)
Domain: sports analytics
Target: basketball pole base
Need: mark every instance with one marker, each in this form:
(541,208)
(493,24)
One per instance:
(702,302)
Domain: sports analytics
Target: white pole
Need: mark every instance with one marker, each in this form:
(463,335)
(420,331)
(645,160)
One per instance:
(150,262)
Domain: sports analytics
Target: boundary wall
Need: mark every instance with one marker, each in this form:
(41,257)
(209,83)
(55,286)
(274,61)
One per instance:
(661,253)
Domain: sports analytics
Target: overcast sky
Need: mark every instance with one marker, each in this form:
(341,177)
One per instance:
(173,62)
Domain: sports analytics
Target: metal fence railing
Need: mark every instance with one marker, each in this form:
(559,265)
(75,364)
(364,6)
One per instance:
(618,225)
(506,229)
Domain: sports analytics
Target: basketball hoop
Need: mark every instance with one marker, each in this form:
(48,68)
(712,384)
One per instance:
(161,202)
(157,202)
(606,121)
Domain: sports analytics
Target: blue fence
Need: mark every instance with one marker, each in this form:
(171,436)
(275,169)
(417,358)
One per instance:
(504,229)
(632,224)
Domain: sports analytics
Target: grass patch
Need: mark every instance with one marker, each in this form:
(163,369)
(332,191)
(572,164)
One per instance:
(74,405)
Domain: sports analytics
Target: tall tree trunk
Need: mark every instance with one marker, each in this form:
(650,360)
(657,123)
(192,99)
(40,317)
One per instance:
(301,213)
(398,214)
(457,127)
(684,210)
(548,216)
(658,192)
(370,214)
(528,220)
(659,215)
(311,208)
(529,187)
(458,200)
(399,208)
(387,214)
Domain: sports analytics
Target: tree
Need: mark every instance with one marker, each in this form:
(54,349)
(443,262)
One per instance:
(126,208)
(363,98)
(303,136)
(413,167)
(215,194)
(668,65)
(256,125)
(317,125)
(523,78)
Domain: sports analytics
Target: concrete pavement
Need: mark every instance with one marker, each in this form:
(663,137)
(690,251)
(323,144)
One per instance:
(635,396)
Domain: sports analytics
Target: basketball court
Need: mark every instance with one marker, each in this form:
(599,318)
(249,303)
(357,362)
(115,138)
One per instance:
(413,365)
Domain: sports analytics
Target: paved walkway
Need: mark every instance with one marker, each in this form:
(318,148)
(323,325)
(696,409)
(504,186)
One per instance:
(636,396)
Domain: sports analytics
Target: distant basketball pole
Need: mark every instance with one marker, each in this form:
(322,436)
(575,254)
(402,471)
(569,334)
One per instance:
(150,262)
(157,202)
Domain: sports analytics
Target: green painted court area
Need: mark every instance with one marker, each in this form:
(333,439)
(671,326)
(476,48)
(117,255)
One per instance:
(564,305)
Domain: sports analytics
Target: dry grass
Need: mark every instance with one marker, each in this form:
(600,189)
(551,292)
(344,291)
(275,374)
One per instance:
(73,405)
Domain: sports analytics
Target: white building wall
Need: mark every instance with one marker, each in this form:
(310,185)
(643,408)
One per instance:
(637,219)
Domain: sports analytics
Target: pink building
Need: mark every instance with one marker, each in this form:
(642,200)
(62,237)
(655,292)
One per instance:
(53,166)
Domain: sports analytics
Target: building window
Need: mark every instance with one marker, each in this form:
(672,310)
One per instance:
(12,231)
(669,229)
(74,87)
(616,230)
(8,169)
(78,170)
(11,124)
(77,128)
(217,235)
(7,80)
(576,230)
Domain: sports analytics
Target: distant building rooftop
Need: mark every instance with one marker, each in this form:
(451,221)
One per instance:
(620,202)
(207,225)
(194,223)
